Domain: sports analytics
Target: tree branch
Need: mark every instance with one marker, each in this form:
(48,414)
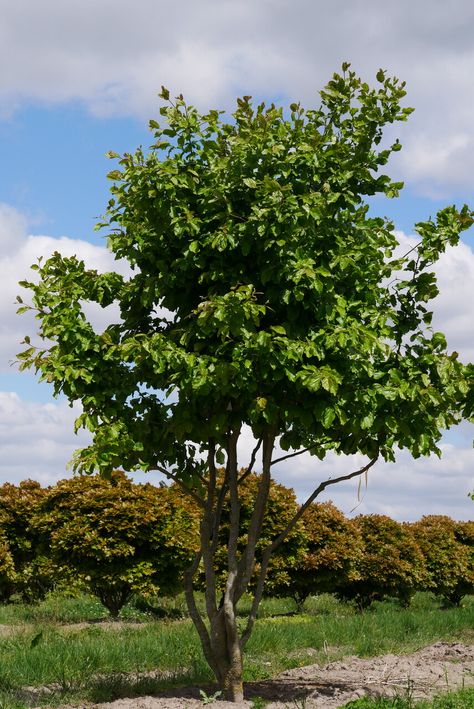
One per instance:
(195,614)
(280,538)
(206,529)
(253,458)
(246,563)
(228,604)
(290,455)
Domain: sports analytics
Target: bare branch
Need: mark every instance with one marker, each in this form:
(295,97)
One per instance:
(321,487)
(234,520)
(290,455)
(206,530)
(218,511)
(228,609)
(195,614)
(280,538)
(253,458)
(262,575)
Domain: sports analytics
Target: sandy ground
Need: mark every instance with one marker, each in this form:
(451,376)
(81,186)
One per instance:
(438,668)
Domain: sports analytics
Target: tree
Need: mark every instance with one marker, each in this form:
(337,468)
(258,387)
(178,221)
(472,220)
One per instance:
(391,563)
(7,570)
(26,570)
(447,547)
(262,294)
(327,560)
(118,537)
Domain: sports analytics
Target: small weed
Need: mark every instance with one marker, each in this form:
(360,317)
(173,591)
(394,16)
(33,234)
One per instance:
(259,703)
(209,698)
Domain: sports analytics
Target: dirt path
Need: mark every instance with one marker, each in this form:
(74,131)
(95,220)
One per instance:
(438,668)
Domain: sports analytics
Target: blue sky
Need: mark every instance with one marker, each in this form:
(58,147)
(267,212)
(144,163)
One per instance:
(82,78)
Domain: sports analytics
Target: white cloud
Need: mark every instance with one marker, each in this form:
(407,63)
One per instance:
(114,56)
(405,490)
(18,251)
(36,440)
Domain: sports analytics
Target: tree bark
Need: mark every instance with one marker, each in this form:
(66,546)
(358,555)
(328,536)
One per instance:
(221,640)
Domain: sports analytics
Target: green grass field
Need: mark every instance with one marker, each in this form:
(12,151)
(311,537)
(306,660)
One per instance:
(464,699)
(101,661)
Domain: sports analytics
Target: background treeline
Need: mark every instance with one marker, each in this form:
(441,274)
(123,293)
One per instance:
(115,538)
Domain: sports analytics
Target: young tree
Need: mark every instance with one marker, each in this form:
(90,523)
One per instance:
(328,558)
(262,294)
(391,562)
(119,538)
(447,547)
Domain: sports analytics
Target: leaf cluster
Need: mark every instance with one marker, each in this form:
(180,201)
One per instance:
(118,537)
(448,550)
(24,570)
(262,292)
(391,562)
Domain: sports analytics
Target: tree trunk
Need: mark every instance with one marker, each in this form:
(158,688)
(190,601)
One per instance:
(229,666)
(221,641)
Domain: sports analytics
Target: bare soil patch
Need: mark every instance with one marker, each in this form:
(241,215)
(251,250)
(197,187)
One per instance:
(438,668)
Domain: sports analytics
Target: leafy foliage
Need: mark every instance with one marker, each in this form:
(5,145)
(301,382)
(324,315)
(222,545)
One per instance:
(26,571)
(329,555)
(7,571)
(391,562)
(448,548)
(258,279)
(119,537)
(262,293)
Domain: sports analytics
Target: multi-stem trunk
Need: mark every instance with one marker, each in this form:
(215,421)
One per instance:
(221,640)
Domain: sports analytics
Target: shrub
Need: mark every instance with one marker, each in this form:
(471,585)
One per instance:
(7,570)
(328,556)
(448,549)
(391,563)
(118,537)
(30,575)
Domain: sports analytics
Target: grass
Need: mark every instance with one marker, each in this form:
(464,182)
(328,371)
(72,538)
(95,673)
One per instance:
(463,699)
(97,663)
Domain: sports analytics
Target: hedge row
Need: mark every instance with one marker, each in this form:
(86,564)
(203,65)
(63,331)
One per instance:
(118,538)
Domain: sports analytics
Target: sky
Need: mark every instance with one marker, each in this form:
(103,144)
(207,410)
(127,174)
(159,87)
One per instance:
(81,77)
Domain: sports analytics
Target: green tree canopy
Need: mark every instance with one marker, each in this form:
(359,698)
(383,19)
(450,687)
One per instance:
(263,293)
(118,537)
(391,562)
(448,548)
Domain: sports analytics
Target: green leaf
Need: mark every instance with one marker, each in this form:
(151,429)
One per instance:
(220,456)
(328,416)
